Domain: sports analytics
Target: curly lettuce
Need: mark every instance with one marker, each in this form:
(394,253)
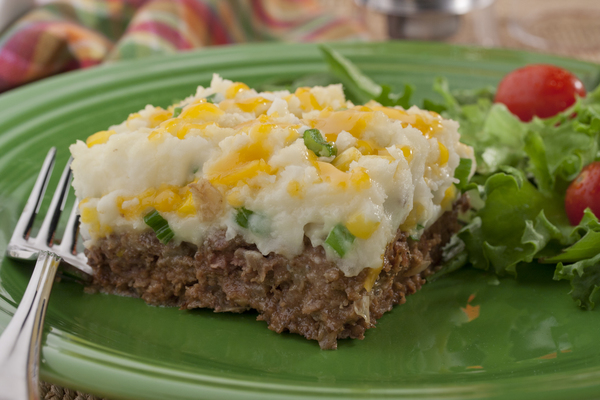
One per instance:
(523,171)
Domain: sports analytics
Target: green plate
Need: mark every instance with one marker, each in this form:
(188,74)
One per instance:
(529,339)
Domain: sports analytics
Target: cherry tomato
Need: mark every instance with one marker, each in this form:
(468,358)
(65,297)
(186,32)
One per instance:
(542,90)
(584,192)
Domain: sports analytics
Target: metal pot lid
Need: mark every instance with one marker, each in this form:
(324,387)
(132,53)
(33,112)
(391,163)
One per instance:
(414,7)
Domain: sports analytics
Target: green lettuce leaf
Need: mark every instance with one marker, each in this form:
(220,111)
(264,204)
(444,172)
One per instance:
(587,247)
(586,239)
(462,173)
(389,99)
(359,87)
(538,162)
(523,171)
(585,279)
(515,224)
(496,135)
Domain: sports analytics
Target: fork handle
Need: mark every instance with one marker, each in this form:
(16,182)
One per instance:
(20,342)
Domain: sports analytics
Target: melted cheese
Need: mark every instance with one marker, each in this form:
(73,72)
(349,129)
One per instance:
(394,167)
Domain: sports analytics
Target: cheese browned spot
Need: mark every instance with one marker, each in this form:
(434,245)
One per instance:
(208,200)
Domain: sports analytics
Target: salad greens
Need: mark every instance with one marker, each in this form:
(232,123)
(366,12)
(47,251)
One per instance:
(523,171)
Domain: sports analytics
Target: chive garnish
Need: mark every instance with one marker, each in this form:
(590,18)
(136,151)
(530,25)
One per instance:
(255,222)
(242,216)
(416,237)
(340,239)
(177,111)
(211,98)
(314,141)
(160,226)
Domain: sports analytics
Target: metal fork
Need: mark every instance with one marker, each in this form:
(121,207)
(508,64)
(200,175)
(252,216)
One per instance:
(20,342)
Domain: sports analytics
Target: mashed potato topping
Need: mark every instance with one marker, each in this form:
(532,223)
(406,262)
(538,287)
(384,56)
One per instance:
(231,158)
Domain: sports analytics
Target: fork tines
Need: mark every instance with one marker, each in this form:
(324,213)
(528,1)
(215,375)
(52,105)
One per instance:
(22,245)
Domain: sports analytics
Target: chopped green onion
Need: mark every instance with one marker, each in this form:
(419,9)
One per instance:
(259,224)
(314,141)
(177,111)
(340,239)
(160,226)
(242,217)
(211,98)
(417,236)
(255,222)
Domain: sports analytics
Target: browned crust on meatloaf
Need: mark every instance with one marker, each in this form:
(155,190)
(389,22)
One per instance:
(308,294)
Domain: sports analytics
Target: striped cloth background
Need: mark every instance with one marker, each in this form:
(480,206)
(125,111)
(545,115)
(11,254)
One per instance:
(62,35)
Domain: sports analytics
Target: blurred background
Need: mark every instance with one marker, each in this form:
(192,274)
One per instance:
(564,27)
(39,38)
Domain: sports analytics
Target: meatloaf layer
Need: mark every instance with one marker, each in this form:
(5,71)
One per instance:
(307,295)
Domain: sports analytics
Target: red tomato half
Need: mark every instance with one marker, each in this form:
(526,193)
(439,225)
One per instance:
(542,90)
(584,192)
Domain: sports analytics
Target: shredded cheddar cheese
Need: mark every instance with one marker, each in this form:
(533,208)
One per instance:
(307,164)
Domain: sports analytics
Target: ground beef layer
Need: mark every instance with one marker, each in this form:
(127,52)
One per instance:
(307,295)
